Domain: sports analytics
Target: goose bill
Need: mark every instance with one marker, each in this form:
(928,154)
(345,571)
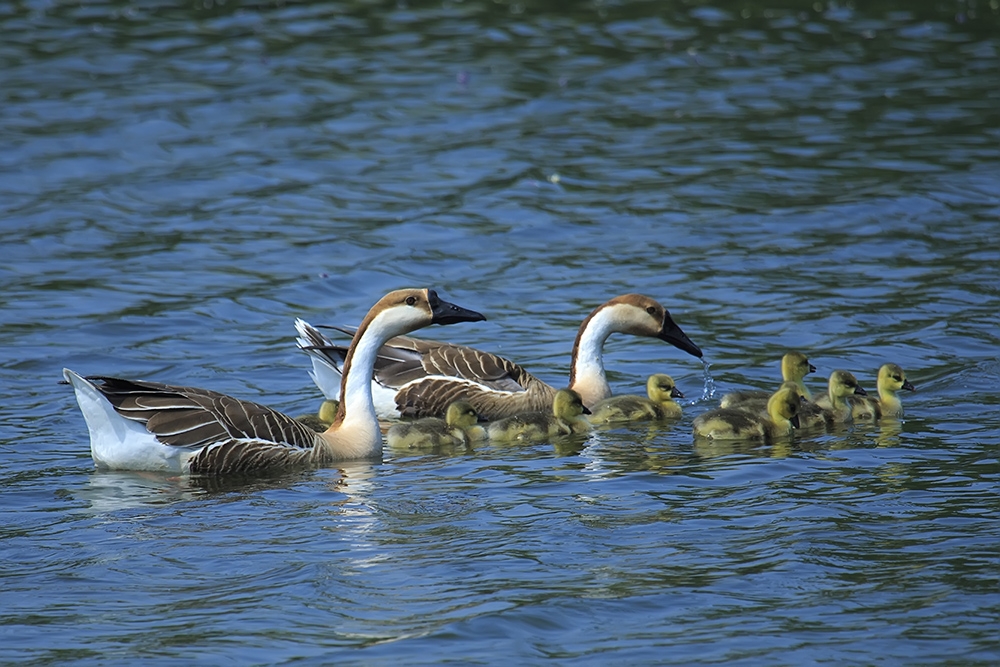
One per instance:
(908,385)
(444,312)
(672,334)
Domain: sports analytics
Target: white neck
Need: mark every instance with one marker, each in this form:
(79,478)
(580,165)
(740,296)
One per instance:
(359,435)
(359,408)
(589,379)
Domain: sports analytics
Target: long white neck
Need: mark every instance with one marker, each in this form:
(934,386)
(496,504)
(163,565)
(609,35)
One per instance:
(356,393)
(588,376)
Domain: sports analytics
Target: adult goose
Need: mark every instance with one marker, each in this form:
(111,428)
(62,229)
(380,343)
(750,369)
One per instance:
(136,425)
(417,378)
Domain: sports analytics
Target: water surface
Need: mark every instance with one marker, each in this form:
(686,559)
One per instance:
(177,184)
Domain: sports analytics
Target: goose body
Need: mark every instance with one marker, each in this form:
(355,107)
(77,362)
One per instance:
(840,386)
(566,417)
(739,424)
(891,379)
(660,404)
(794,367)
(417,378)
(137,425)
(459,427)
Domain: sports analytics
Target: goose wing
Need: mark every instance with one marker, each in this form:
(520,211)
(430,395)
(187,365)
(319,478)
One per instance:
(196,418)
(404,361)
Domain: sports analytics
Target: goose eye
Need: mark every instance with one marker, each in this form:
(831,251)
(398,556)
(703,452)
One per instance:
(651,310)
(410,300)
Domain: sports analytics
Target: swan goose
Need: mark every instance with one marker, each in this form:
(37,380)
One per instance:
(566,418)
(416,377)
(459,427)
(660,404)
(738,424)
(794,367)
(137,425)
(891,379)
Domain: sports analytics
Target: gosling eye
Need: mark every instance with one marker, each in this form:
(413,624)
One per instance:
(410,300)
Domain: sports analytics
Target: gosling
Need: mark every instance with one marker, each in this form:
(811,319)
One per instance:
(320,421)
(794,367)
(891,379)
(566,418)
(736,424)
(629,408)
(460,427)
(841,385)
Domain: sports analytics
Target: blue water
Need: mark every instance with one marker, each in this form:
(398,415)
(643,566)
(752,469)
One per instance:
(178,184)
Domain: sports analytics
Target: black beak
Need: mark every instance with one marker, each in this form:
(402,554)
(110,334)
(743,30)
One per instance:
(859,391)
(676,393)
(908,385)
(795,421)
(443,312)
(672,334)
(586,410)
(812,369)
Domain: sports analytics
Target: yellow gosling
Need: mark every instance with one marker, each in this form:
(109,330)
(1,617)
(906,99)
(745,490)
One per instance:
(321,421)
(660,404)
(891,379)
(566,418)
(735,424)
(841,385)
(794,367)
(459,427)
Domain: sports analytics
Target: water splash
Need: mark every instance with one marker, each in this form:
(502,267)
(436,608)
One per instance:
(708,392)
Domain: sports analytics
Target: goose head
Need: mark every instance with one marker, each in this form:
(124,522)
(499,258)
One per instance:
(795,366)
(568,405)
(891,379)
(660,388)
(461,414)
(784,405)
(404,310)
(641,315)
(843,384)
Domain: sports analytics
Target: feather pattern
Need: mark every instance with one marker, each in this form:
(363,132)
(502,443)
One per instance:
(141,425)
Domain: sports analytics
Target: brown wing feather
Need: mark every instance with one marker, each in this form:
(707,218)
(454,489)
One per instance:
(239,456)
(193,417)
(431,397)
(404,359)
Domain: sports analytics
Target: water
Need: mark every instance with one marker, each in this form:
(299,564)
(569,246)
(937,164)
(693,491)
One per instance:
(177,184)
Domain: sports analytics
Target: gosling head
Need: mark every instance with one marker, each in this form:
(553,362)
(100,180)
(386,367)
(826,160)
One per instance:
(567,404)
(328,410)
(784,405)
(660,388)
(795,366)
(844,384)
(891,378)
(461,414)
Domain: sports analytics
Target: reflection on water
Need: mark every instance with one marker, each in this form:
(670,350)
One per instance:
(178,183)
